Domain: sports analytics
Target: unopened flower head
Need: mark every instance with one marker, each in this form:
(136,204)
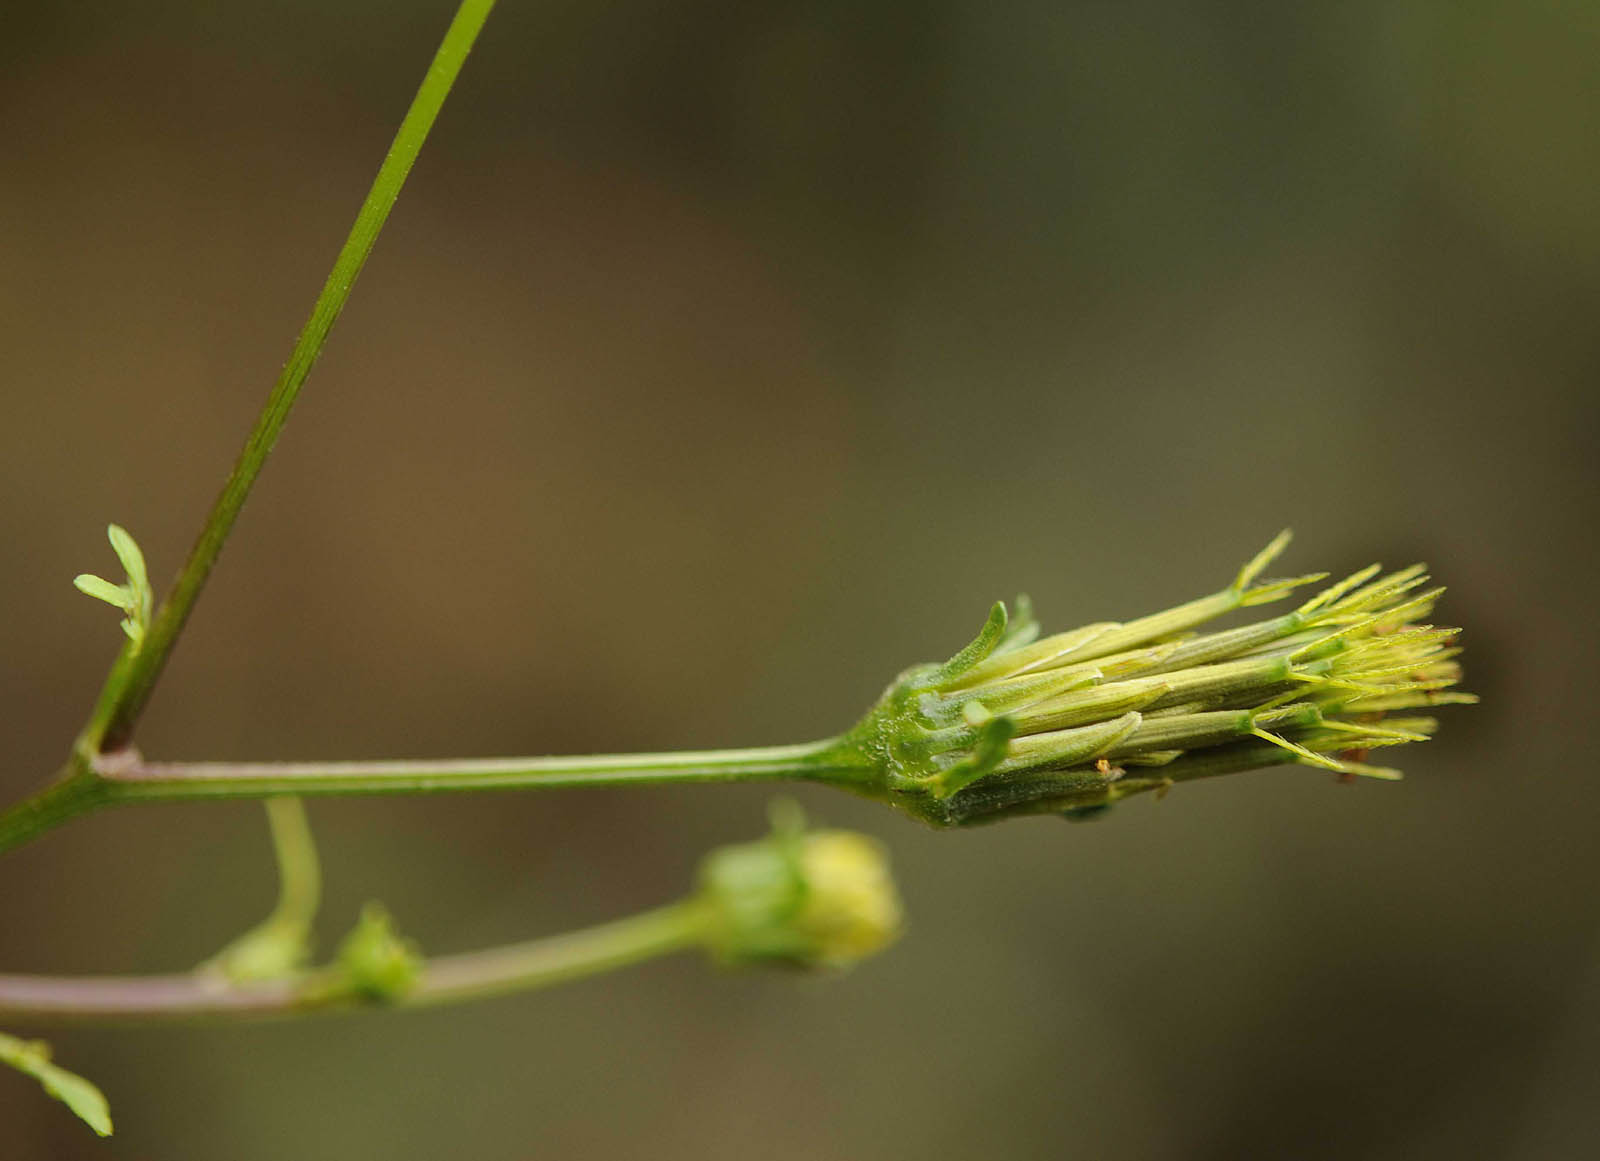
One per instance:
(1073,722)
(375,963)
(821,898)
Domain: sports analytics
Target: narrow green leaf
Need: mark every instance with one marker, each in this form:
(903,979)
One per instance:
(134,598)
(103,590)
(82,1097)
(128,552)
(144,600)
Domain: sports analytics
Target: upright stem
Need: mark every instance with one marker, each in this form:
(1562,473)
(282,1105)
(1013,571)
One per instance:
(299,868)
(131,680)
(446,979)
(282,940)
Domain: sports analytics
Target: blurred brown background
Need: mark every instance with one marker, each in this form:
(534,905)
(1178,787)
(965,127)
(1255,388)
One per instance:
(720,360)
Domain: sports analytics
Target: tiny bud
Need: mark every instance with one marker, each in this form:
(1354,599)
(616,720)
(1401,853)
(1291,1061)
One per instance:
(374,962)
(821,898)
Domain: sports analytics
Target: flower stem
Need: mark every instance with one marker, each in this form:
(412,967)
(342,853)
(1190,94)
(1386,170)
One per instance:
(124,776)
(446,979)
(539,963)
(129,684)
(281,941)
(129,778)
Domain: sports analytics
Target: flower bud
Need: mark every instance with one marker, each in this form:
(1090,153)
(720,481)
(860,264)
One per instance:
(1074,722)
(821,898)
(375,963)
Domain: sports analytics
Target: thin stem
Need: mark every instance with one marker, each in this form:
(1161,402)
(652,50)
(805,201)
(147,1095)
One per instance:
(76,792)
(124,776)
(282,940)
(128,777)
(299,869)
(131,680)
(443,979)
(556,959)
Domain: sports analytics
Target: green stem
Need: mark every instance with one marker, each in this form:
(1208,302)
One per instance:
(78,791)
(539,963)
(128,778)
(128,686)
(124,776)
(443,979)
(281,941)
(299,869)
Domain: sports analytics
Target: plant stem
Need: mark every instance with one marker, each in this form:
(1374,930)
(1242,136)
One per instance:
(556,959)
(299,868)
(443,979)
(128,778)
(76,792)
(125,776)
(129,685)
(282,940)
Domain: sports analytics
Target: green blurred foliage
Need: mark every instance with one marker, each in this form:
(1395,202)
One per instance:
(721,360)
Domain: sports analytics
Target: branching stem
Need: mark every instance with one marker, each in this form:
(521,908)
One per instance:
(443,980)
(138,665)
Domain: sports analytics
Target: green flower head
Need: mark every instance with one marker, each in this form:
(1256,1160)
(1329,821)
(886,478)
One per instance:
(1073,722)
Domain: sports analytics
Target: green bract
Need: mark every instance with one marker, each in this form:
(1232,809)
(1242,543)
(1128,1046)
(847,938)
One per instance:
(1078,720)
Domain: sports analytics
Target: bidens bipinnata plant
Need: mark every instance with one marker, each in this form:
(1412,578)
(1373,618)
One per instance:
(1011,725)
